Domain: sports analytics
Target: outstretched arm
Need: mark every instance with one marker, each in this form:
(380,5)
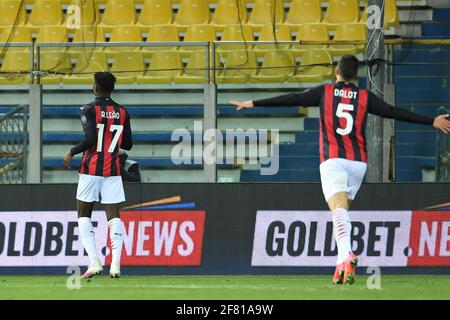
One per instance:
(307,98)
(90,135)
(380,108)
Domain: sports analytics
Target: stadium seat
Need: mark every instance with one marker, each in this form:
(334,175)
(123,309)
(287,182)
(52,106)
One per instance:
(163,33)
(156,12)
(118,12)
(391,18)
(88,34)
(13,13)
(193,12)
(54,62)
(229,12)
(341,11)
(52,34)
(127,66)
(199,33)
(304,11)
(236,32)
(277,66)
(195,72)
(15,62)
(45,13)
(19,34)
(310,72)
(237,61)
(267,12)
(314,32)
(90,14)
(282,33)
(87,64)
(162,60)
(349,32)
(125,34)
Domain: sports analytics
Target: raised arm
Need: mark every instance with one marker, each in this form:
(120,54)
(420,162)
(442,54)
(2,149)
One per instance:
(380,108)
(307,98)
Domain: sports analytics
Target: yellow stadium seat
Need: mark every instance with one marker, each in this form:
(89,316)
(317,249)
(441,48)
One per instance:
(391,18)
(277,67)
(52,34)
(15,62)
(45,13)
(13,13)
(162,33)
(89,14)
(341,11)
(199,33)
(17,34)
(236,32)
(54,62)
(314,32)
(125,34)
(87,64)
(267,12)
(349,32)
(196,69)
(118,12)
(88,34)
(162,60)
(238,67)
(156,12)
(304,11)
(282,33)
(230,12)
(127,66)
(311,71)
(193,12)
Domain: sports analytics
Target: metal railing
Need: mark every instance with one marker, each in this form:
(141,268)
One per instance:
(14,145)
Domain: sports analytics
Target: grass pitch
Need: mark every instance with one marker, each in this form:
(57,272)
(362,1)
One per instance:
(223,287)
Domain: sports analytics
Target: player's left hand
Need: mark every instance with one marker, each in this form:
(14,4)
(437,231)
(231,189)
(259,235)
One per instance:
(67,157)
(442,123)
(242,105)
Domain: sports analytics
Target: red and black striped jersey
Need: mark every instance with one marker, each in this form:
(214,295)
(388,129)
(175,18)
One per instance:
(107,129)
(343,116)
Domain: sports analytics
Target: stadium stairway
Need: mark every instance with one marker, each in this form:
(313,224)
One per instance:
(423,89)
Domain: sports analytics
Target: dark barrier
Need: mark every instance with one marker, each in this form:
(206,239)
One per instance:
(231,229)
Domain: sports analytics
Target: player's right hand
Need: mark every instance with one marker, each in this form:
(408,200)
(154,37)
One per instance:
(67,157)
(442,123)
(242,105)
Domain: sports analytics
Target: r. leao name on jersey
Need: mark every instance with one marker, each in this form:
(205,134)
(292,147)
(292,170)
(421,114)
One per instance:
(345,94)
(110,115)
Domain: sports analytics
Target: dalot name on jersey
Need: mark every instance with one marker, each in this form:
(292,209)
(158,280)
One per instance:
(110,115)
(345,94)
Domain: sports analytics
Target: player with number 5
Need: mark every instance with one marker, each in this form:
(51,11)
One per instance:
(107,129)
(342,145)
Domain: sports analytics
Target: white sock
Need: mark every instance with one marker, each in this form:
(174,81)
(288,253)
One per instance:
(87,235)
(341,230)
(116,231)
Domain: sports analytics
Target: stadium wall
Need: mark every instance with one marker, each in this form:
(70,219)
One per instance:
(276,228)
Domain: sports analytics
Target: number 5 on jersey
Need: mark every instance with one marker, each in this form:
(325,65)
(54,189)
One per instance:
(101,130)
(342,112)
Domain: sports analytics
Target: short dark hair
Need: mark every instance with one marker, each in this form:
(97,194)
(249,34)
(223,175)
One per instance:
(104,81)
(348,67)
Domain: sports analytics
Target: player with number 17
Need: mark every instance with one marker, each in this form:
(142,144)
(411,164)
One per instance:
(106,126)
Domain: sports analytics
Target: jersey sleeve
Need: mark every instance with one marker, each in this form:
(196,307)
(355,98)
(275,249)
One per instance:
(127,139)
(89,128)
(307,98)
(380,108)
